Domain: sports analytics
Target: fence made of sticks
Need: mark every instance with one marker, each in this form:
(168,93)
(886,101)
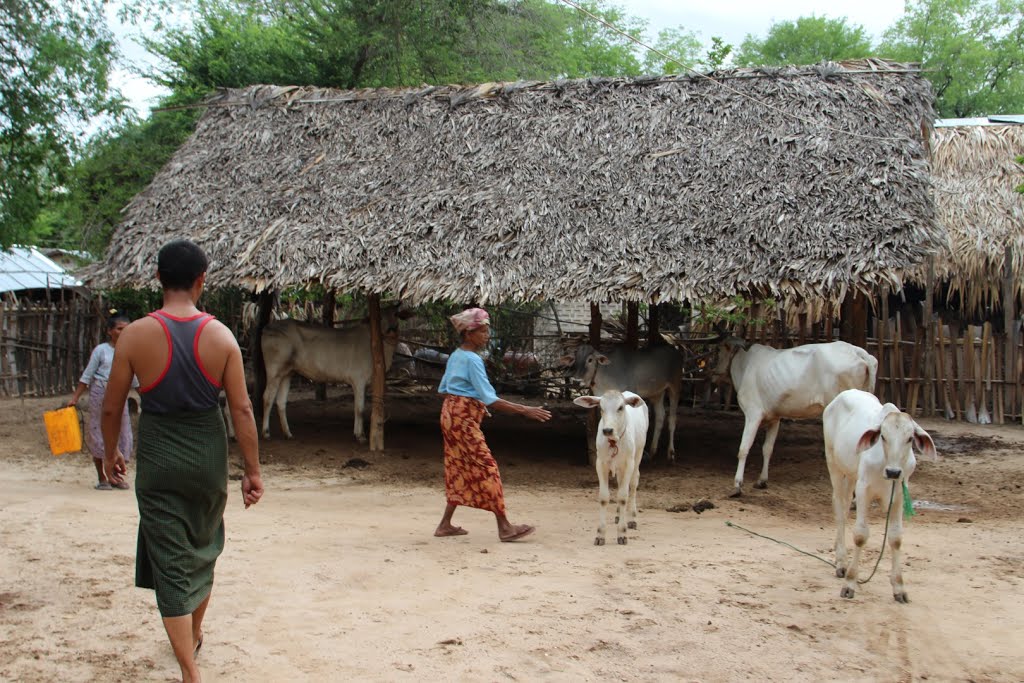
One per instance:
(975,374)
(44,346)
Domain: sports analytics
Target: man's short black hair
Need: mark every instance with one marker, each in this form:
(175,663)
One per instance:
(180,263)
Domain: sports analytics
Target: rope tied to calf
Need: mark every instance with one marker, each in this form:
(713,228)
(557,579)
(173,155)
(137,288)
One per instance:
(908,511)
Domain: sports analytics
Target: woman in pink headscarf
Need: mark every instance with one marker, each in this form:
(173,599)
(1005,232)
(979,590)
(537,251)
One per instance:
(471,475)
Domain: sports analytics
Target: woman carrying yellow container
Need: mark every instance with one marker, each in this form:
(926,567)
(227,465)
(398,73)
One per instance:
(94,379)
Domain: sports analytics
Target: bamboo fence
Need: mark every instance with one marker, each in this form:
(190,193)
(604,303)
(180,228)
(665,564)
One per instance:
(975,375)
(44,346)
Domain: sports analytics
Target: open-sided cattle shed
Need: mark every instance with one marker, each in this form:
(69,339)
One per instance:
(797,182)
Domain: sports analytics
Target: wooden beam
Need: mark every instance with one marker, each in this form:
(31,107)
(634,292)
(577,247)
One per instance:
(632,324)
(328,306)
(265,308)
(928,366)
(653,325)
(377,384)
(1010,401)
(595,325)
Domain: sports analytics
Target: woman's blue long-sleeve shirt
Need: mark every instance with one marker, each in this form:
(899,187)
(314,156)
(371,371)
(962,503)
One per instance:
(465,375)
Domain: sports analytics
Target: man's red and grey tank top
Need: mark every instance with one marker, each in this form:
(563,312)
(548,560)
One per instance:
(184,385)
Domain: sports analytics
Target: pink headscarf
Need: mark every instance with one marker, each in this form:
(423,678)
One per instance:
(470,319)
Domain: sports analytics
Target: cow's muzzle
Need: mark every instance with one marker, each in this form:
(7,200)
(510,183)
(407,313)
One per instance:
(893,472)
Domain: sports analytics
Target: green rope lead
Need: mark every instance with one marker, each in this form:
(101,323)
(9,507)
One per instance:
(802,552)
(908,504)
(885,534)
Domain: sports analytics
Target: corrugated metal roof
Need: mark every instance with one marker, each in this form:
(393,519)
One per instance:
(27,268)
(1000,120)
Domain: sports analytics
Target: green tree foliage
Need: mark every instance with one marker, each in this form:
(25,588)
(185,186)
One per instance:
(55,57)
(808,40)
(682,46)
(971,51)
(387,43)
(115,165)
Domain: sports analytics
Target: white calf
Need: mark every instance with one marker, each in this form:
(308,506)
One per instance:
(621,435)
(870,448)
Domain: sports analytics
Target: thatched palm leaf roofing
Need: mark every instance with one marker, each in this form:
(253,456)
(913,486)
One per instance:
(793,181)
(975,176)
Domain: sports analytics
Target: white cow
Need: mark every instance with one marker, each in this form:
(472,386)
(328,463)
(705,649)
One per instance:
(870,451)
(795,383)
(620,446)
(321,354)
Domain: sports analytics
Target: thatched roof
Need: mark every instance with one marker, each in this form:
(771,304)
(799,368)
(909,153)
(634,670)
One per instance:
(789,181)
(975,175)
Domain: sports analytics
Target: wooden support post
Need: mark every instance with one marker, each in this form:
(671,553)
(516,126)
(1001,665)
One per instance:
(653,325)
(379,369)
(829,315)
(914,391)
(632,324)
(928,369)
(801,335)
(1010,401)
(859,324)
(901,391)
(595,325)
(969,371)
(984,376)
(944,385)
(265,301)
(882,337)
(328,306)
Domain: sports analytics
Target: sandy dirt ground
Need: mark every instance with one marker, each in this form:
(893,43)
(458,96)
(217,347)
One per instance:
(336,576)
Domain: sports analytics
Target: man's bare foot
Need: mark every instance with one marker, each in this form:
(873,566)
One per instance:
(450,530)
(516,532)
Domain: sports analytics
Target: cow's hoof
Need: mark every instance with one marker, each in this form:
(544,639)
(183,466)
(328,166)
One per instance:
(847,592)
(736,493)
(622,540)
(761,485)
(630,525)
(598,541)
(841,572)
(901,597)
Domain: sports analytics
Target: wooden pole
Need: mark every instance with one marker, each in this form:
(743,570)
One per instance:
(595,325)
(632,324)
(1010,401)
(328,318)
(928,370)
(859,323)
(914,390)
(654,325)
(985,374)
(901,391)
(944,385)
(882,339)
(969,385)
(265,301)
(377,384)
